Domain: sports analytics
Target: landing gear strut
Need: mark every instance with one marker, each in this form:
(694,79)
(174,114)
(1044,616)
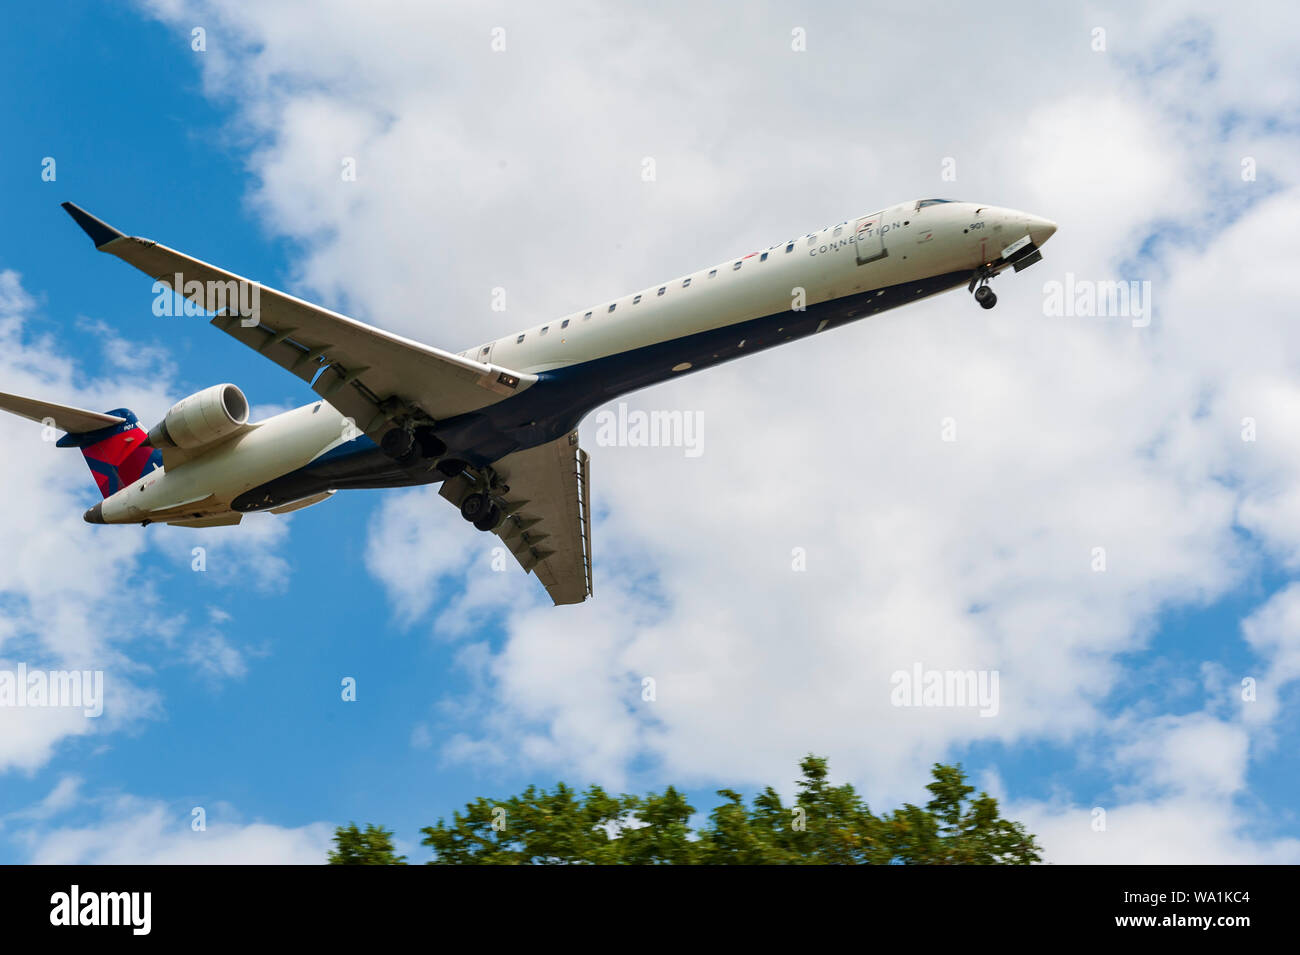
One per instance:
(979,284)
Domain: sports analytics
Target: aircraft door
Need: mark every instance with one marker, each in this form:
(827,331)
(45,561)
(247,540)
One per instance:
(484,354)
(869,243)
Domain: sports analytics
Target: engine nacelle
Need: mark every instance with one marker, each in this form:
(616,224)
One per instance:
(203,418)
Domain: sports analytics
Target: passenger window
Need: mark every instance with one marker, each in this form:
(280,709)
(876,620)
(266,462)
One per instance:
(587,316)
(713,272)
(485,349)
(812,240)
(735,267)
(838,230)
(686,283)
(662,288)
(519,340)
(790,247)
(763,257)
(545,329)
(612,307)
(637,300)
(564,324)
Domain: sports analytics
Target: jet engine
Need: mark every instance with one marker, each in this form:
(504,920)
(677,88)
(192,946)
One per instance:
(201,419)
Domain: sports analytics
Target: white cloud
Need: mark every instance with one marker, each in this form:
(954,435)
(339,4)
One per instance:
(1181,830)
(246,556)
(134,831)
(415,540)
(1192,755)
(1184,799)
(65,794)
(1273,632)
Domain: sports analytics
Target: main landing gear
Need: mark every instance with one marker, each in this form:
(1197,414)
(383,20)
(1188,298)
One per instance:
(407,445)
(979,284)
(480,510)
(480,506)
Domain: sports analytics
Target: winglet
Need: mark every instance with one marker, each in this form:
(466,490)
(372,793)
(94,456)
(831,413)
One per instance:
(101,233)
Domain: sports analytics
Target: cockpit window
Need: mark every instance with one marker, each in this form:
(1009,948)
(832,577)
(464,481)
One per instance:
(932,202)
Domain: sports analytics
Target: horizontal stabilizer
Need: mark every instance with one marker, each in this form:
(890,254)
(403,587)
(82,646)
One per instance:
(65,418)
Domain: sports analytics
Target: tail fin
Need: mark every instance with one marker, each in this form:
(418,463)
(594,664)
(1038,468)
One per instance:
(118,454)
(115,446)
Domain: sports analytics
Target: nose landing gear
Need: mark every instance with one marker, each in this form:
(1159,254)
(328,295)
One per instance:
(979,284)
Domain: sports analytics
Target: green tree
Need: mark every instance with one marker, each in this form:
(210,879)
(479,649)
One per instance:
(373,846)
(954,830)
(563,827)
(824,825)
(656,830)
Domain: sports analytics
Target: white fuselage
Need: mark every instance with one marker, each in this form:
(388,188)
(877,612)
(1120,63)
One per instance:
(207,485)
(934,240)
(903,244)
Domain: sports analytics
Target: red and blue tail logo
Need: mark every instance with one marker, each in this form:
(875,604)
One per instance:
(118,455)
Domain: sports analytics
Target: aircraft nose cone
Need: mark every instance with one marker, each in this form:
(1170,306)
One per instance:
(95,515)
(1040,230)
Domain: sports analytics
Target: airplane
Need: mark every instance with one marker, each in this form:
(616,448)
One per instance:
(496,424)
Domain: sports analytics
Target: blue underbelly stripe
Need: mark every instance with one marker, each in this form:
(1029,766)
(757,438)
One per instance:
(563,396)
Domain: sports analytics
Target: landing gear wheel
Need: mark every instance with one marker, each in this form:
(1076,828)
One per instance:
(490,519)
(984,295)
(475,507)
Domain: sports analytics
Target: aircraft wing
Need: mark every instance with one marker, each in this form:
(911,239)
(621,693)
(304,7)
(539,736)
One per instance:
(548,514)
(371,376)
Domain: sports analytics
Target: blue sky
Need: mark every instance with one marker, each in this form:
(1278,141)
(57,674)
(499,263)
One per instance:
(470,688)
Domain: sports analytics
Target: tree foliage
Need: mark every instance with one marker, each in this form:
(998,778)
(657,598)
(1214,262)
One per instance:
(823,825)
(373,846)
